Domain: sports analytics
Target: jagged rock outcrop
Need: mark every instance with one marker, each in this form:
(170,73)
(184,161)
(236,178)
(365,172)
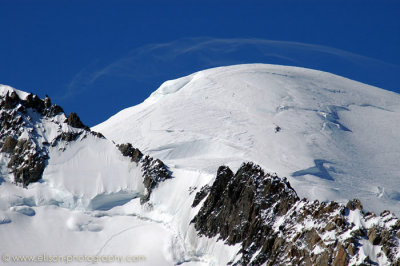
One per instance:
(74,121)
(27,163)
(262,212)
(128,150)
(53,110)
(9,144)
(24,122)
(24,141)
(200,195)
(154,170)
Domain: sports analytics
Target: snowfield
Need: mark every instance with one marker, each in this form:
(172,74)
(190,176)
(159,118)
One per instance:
(88,203)
(333,138)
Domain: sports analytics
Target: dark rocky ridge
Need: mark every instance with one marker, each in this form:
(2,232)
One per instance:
(154,170)
(29,155)
(74,121)
(128,150)
(274,227)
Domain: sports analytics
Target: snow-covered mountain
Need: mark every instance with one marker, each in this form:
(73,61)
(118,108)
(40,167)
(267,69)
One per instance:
(179,179)
(82,177)
(333,138)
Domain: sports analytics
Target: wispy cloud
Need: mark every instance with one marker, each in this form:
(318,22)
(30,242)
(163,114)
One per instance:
(183,56)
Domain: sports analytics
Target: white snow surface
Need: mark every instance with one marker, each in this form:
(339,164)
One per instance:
(4,89)
(338,138)
(87,206)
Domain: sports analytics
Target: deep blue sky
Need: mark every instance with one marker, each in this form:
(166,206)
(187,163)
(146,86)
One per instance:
(98,57)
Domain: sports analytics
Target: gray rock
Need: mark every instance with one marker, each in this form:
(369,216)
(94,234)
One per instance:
(374,236)
(340,257)
(9,144)
(354,204)
(200,195)
(129,151)
(244,208)
(28,157)
(154,172)
(74,121)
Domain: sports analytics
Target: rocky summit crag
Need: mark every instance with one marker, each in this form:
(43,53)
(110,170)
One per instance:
(262,213)
(30,126)
(24,120)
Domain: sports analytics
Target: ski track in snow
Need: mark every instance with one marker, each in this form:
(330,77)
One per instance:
(115,235)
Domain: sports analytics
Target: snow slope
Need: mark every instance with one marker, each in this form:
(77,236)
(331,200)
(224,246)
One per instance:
(73,210)
(334,138)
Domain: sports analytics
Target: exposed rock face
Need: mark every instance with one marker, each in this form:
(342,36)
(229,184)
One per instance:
(154,171)
(53,110)
(128,150)
(263,213)
(74,121)
(10,100)
(9,144)
(26,163)
(201,195)
(23,140)
(354,205)
(249,193)
(47,102)
(23,135)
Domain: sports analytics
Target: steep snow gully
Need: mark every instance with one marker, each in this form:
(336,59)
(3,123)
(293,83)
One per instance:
(245,165)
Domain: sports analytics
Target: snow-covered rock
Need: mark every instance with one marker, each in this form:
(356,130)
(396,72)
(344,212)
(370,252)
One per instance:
(263,214)
(58,180)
